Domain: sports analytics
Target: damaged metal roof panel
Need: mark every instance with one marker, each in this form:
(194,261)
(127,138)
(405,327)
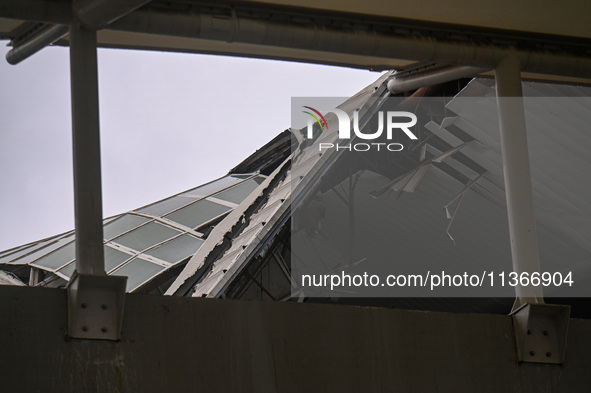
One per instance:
(558,121)
(267,219)
(453,205)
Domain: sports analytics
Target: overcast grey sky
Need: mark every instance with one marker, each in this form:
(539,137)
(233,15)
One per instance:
(169,122)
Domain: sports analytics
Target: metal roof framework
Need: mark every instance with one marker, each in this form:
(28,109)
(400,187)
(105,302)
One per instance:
(146,242)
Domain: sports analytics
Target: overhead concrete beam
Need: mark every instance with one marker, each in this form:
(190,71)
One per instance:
(567,18)
(266,29)
(46,11)
(95,14)
(270,34)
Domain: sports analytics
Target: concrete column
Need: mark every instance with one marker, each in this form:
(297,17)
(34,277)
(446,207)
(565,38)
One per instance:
(86,146)
(518,190)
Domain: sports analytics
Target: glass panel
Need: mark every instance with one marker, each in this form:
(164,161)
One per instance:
(167,205)
(198,213)
(238,193)
(68,270)
(14,252)
(43,251)
(58,258)
(177,249)
(137,271)
(146,236)
(214,186)
(17,254)
(122,224)
(114,258)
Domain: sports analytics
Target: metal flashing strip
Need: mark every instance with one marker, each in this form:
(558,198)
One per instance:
(218,234)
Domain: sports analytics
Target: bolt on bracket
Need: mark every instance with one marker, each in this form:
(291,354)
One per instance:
(95,306)
(540,332)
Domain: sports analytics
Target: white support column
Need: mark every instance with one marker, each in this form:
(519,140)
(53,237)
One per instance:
(518,189)
(87,156)
(95,300)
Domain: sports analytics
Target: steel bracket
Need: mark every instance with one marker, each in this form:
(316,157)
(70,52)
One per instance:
(540,332)
(95,306)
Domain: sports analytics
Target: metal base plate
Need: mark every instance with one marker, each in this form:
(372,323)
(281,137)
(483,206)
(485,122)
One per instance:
(540,332)
(95,306)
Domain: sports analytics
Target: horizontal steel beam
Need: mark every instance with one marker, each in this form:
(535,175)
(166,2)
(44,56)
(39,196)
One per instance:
(35,43)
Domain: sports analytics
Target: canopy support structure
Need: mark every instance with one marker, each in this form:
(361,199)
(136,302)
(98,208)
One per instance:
(540,329)
(95,300)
